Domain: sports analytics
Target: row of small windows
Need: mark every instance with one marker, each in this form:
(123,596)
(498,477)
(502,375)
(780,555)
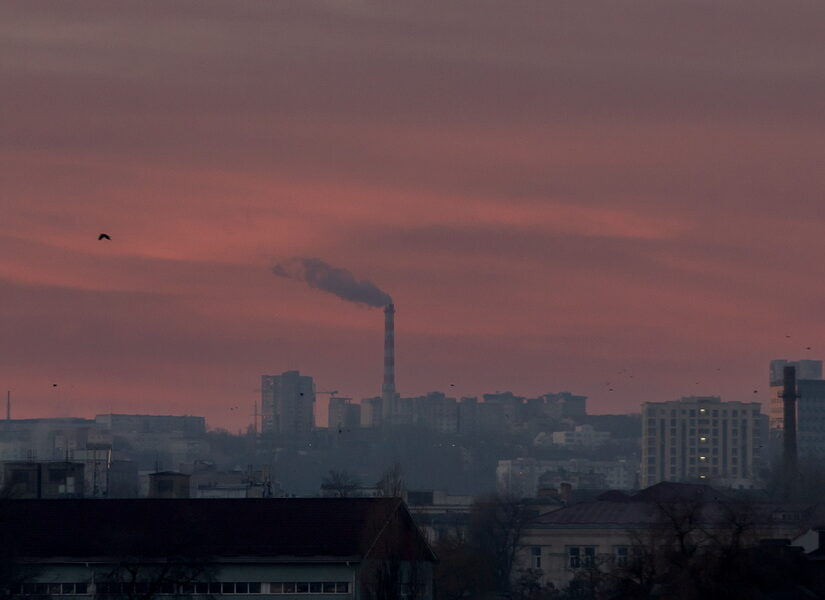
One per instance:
(584,557)
(51,589)
(652,425)
(702,432)
(118,588)
(704,411)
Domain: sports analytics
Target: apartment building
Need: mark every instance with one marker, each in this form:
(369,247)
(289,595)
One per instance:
(701,438)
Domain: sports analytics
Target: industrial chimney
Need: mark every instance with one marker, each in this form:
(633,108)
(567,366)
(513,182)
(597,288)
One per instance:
(789,396)
(388,389)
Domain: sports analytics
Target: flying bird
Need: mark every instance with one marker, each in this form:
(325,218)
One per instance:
(103,236)
(54,385)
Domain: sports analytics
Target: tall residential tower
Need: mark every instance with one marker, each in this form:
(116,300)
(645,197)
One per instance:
(701,438)
(287,403)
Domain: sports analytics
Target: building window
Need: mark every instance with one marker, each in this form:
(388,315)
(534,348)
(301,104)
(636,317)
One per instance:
(309,587)
(621,556)
(573,558)
(535,557)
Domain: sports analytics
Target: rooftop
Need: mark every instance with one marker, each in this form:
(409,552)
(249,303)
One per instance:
(272,527)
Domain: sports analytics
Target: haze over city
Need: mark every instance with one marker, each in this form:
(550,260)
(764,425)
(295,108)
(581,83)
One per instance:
(559,197)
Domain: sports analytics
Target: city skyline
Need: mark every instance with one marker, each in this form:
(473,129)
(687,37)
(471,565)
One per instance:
(622,203)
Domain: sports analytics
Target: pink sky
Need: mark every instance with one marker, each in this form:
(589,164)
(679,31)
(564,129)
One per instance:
(551,192)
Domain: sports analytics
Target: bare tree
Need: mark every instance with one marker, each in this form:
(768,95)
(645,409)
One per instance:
(398,562)
(141,579)
(391,483)
(692,550)
(496,526)
(340,484)
(460,572)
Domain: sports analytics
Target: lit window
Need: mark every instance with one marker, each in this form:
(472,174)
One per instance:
(703,439)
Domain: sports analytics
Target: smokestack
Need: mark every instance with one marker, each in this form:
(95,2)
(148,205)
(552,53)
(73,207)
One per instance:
(789,397)
(388,389)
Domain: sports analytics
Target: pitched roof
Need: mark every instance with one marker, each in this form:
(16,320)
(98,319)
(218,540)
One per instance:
(628,513)
(271,527)
(602,513)
(672,491)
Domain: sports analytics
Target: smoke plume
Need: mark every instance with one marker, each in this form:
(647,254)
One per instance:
(340,282)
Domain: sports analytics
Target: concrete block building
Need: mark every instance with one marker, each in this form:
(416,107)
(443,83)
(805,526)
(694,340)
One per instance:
(701,438)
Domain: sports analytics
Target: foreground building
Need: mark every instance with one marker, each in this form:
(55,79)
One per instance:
(609,534)
(701,438)
(356,548)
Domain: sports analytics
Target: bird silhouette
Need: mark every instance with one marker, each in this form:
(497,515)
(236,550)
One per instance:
(54,385)
(103,236)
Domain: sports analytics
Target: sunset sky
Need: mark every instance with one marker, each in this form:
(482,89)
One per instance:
(557,195)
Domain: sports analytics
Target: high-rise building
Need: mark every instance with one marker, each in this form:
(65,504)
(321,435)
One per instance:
(437,412)
(702,438)
(468,415)
(287,403)
(343,414)
(372,412)
(810,408)
(805,369)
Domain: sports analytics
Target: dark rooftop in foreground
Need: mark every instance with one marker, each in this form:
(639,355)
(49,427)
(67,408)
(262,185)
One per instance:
(289,527)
